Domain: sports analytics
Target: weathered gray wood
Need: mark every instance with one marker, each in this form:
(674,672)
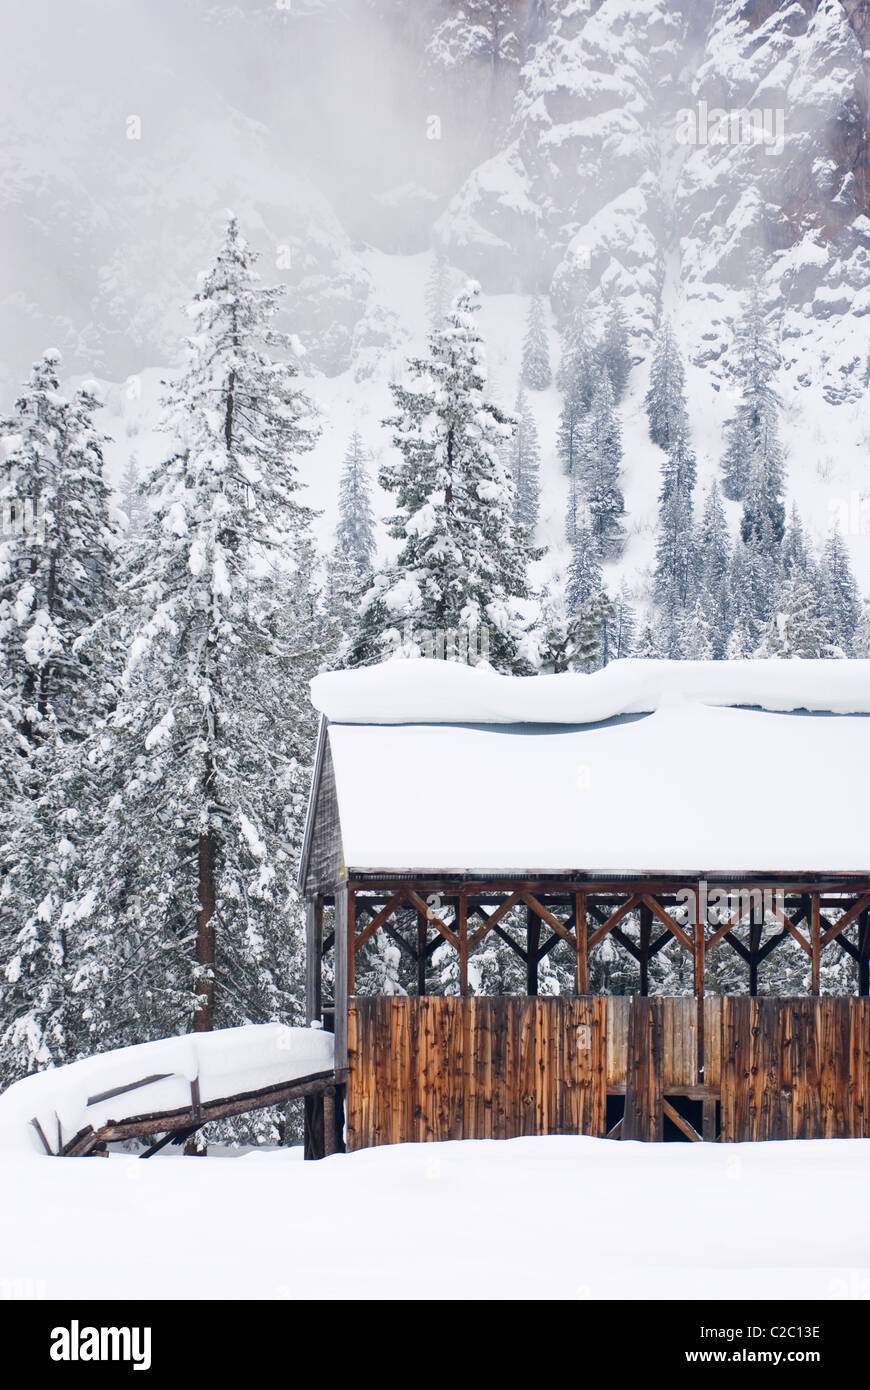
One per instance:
(313,957)
(341,957)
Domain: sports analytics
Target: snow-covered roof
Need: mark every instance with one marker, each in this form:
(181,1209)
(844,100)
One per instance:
(645,767)
(446,692)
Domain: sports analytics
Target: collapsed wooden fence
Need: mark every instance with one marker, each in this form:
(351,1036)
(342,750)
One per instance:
(729,1068)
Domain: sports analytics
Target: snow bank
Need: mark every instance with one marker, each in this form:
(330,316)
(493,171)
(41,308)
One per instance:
(227,1062)
(731,1221)
(421,691)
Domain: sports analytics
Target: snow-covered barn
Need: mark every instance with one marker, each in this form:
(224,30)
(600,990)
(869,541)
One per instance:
(716,805)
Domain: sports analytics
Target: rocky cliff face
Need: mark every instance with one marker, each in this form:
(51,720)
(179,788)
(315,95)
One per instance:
(664,150)
(658,150)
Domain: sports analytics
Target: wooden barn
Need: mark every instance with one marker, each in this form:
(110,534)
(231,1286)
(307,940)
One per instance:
(711,813)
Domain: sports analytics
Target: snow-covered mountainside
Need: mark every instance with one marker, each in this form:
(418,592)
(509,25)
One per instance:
(583,149)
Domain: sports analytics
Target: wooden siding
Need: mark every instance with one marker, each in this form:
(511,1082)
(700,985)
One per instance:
(500,1067)
(324,866)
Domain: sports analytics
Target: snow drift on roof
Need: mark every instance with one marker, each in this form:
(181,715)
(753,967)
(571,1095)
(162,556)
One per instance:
(421,691)
(686,789)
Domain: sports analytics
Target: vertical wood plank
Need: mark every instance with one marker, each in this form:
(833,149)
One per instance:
(313,956)
(340,972)
(462,913)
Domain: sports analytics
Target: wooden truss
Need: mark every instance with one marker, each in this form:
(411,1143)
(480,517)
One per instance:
(813,912)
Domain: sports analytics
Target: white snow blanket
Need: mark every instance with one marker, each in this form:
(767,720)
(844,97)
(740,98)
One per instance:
(690,789)
(444,692)
(227,1062)
(731,1221)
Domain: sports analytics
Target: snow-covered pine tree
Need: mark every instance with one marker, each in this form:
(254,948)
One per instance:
(613,352)
(711,561)
(576,379)
(598,471)
(795,629)
(536,373)
(666,398)
(753,464)
(584,574)
(350,564)
(675,562)
(206,759)
(132,500)
(57,586)
(839,597)
(622,632)
(524,456)
(795,553)
(57,552)
(699,636)
(462,563)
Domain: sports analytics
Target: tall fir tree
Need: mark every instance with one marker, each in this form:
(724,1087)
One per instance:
(576,379)
(350,564)
(754,469)
(132,498)
(675,556)
(461,566)
(536,372)
(205,761)
(57,554)
(614,353)
(666,398)
(524,456)
(839,597)
(599,468)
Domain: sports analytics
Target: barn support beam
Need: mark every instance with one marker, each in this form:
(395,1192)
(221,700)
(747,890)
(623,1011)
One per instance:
(313,959)
(343,967)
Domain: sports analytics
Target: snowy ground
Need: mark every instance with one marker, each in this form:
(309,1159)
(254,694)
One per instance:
(559,1217)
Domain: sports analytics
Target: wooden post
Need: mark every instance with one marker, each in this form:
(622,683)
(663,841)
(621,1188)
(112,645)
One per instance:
(864,953)
(533,942)
(351,942)
(700,945)
(582,950)
(313,959)
(462,915)
(343,954)
(421,954)
(754,948)
(816,929)
(645,934)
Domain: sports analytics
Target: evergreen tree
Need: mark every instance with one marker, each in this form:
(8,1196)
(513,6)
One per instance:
(525,466)
(576,380)
(205,762)
(536,371)
(461,567)
(795,554)
(614,354)
(599,469)
(666,397)
(753,463)
(132,500)
(674,568)
(698,642)
(712,554)
(795,629)
(584,575)
(56,554)
(622,632)
(350,565)
(839,598)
